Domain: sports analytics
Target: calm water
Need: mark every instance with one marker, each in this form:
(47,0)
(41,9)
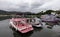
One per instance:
(6,31)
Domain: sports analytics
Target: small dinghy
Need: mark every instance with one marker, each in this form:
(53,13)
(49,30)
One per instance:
(20,25)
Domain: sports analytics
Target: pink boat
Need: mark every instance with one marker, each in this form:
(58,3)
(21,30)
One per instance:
(21,25)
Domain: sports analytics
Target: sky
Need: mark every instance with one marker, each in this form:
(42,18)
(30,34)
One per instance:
(33,6)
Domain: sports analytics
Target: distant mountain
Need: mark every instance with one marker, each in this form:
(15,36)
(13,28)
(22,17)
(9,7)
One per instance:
(14,12)
(27,13)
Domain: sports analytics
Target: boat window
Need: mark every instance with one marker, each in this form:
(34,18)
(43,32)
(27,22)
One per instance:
(29,20)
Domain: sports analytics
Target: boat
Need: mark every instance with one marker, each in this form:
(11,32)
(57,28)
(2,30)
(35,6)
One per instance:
(20,25)
(49,18)
(36,22)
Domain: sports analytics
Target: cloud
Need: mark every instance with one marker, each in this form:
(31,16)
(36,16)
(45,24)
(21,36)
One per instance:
(29,5)
(50,5)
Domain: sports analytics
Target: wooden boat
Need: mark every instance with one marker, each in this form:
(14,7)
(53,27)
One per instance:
(20,25)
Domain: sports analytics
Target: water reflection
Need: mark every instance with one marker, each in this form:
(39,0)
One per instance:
(4,18)
(51,24)
(16,34)
(37,29)
(50,27)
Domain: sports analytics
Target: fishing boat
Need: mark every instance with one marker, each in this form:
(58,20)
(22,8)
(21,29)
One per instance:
(20,25)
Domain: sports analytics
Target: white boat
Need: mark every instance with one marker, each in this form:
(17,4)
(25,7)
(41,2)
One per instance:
(35,22)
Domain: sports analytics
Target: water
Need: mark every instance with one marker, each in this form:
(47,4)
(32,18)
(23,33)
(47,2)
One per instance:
(6,31)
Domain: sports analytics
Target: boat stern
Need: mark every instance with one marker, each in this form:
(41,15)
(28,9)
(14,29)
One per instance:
(26,30)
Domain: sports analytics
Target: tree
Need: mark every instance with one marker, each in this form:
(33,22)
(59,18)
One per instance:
(48,12)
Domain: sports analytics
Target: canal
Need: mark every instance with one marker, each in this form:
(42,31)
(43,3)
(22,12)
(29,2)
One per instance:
(6,31)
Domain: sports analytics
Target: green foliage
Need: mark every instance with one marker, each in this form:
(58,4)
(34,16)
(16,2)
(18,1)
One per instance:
(48,12)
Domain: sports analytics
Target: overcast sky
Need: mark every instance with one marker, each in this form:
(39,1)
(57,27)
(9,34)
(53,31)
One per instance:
(29,5)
